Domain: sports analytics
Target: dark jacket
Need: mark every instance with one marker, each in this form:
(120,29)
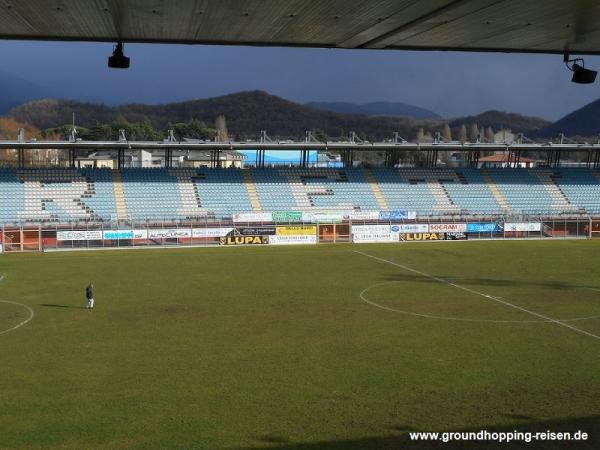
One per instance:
(89,292)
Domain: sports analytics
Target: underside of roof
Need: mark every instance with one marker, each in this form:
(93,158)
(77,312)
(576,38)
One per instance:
(547,26)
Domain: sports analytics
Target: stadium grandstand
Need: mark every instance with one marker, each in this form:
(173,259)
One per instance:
(65,195)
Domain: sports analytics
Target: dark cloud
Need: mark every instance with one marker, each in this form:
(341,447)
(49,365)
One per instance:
(451,84)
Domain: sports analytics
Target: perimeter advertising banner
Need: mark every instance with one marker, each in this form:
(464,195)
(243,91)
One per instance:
(411,228)
(253,217)
(371,233)
(324,217)
(362,215)
(210,232)
(397,215)
(296,230)
(258,231)
(287,216)
(112,235)
(89,235)
(490,227)
(170,233)
(452,227)
(423,236)
(244,240)
(523,226)
(292,239)
(457,236)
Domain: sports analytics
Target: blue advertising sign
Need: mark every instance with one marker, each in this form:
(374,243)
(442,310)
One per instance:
(396,215)
(118,234)
(483,227)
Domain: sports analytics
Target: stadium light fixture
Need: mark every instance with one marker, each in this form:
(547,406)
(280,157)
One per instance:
(581,75)
(118,60)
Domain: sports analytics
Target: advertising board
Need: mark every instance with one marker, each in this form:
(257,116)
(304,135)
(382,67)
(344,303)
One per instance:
(410,228)
(422,236)
(210,232)
(324,217)
(458,236)
(255,231)
(79,235)
(490,227)
(371,233)
(169,233)
(443,227)
(110,235)
(523,226)
(286,216)
(296,230)
(362,215)
(293,239)
(244,240)
(397,215)
(253,217)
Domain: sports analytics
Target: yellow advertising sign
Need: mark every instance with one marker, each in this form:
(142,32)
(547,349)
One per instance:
(244,240)
(422,236)
(298,230)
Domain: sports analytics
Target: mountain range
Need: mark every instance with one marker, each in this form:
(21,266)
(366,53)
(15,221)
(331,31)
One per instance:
(249,112)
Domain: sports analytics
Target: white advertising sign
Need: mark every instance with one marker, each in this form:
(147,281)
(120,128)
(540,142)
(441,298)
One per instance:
(522,226)
(253,217)
(79,235)
(411,228)
(292,239)
(323,217)
(371,233)
(210,232)
(362,215)
(169,233)
(448,227)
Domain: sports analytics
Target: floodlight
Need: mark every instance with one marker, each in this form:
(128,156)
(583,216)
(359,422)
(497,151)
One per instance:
(581,75)
(118,60)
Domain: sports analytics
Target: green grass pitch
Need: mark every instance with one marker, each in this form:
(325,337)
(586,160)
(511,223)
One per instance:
(273,347)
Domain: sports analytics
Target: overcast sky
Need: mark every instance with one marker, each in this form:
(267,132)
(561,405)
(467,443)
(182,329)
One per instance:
(451,84)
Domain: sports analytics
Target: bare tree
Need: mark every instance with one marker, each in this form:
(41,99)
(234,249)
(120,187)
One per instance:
(446,133)
(489,134)
(474,134)
(462,134)
(420,135)
(221,126)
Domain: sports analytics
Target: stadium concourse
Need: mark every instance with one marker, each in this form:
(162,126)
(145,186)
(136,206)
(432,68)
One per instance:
(65,195)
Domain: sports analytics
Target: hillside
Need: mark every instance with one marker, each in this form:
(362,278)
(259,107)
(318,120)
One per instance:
(498,120)
(389,109)
(246,112)
(584,122)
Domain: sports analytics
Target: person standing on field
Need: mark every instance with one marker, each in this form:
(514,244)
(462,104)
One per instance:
(89,294)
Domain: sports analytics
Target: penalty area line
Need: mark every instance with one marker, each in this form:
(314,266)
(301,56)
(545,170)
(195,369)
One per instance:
(481,294)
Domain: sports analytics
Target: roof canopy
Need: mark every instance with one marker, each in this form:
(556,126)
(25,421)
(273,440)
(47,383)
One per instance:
(479,25)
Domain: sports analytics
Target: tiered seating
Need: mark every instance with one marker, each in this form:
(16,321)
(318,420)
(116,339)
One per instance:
(471,192)
(222,191)
(313,189)
(56,195)
(64,195)
(523,190)
(440,190)
(582,188)
(151,194)
(184,193)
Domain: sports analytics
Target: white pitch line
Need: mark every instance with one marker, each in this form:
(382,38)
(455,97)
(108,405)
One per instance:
(31,313)
(482,294)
